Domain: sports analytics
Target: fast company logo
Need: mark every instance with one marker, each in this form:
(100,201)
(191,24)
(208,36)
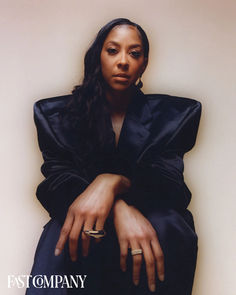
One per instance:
(45,281)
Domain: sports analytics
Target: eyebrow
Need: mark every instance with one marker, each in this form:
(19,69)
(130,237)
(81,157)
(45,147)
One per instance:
(117,44)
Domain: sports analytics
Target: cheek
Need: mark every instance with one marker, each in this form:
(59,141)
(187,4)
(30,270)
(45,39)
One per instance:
(103,63)
(105,71)
(137,70)
(105,67)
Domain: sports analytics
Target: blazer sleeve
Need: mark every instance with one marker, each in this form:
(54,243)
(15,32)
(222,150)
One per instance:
(158,179)
(63,181)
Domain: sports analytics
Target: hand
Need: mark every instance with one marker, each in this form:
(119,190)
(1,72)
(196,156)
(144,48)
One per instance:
(135,231)
(88,209)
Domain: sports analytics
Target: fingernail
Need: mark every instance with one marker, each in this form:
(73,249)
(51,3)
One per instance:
(57,252)
(136,282)
(152,287)
(161,277)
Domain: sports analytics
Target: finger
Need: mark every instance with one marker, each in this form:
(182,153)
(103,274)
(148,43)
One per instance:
(150,266)
(123,254)
(137,262)
(159,256)
(64,233)
(98,240)
(73,238)
(100,223)
(88,225)
(99,226)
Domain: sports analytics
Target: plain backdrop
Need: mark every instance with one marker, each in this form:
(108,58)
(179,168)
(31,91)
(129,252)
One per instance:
(193,54)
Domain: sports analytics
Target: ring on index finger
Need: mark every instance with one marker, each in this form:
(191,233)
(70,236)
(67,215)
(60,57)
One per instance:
(95,233)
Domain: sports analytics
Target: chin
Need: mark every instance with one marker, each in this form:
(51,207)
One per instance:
(120,87)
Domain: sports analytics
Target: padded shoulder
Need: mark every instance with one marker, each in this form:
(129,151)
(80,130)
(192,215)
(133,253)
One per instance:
(175,120)
(52,105)
(171,100)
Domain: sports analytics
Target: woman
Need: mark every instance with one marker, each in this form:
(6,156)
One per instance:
(113,167)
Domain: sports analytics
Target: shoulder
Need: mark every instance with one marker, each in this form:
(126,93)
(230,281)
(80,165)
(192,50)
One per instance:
(175,120)
(52,130)
(52,105)
(168,103)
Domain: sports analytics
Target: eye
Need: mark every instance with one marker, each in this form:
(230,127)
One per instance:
(135,54)
(111,51)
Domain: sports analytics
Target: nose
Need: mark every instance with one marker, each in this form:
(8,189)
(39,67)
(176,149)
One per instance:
(123,61)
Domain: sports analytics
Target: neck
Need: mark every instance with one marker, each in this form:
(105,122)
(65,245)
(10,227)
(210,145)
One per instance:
(119,101)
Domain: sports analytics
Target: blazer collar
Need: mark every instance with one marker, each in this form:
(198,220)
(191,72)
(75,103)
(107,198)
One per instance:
(136,127)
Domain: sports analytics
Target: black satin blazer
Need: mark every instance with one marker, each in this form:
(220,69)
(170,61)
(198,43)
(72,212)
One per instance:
(157,131)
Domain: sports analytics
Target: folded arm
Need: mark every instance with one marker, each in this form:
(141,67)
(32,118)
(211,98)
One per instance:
(63,180)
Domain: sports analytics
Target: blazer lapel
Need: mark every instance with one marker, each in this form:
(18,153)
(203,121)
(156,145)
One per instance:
(133,135)
(136,128)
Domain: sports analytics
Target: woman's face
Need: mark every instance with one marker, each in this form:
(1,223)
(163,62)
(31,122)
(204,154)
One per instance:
(122,57)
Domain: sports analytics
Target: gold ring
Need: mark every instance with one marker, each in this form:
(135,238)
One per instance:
(95,233)
(136,251)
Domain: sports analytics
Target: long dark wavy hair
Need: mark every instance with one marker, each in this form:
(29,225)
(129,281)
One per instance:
(88,108)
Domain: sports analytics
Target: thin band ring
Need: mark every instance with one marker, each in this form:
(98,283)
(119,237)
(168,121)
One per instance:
(95,233)
(136,251)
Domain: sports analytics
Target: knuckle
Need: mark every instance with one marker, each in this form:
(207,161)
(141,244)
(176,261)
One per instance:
(91,213)
(74,210)
(65,231)
(143,236)
(72,238)
(122,239)
(84,237)
(102,212)
(150,262)
(70,209)
(160,257)
(123,255)
(81,212)
(131,236)
(153,234)
(137,259)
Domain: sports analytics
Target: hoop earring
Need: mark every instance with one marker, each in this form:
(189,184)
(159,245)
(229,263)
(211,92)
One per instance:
(140,83)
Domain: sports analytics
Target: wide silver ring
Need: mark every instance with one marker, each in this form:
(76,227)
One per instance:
(95,233)
(136,251)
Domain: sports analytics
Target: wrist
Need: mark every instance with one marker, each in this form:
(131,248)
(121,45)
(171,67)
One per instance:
(118,205)
(119,184)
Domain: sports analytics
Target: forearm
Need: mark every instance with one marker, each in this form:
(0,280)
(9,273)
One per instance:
(58,191)
(113,184)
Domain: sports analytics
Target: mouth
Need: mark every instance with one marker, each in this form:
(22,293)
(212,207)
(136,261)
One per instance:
(122,77)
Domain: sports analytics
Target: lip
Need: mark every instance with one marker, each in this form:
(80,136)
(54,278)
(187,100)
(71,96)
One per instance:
(123,76)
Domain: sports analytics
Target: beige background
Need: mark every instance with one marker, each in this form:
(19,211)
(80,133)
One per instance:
(193,54)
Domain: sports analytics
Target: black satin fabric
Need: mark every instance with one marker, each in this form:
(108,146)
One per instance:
(157,131)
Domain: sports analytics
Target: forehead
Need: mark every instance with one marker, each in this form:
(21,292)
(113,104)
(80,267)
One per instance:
(124,33)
